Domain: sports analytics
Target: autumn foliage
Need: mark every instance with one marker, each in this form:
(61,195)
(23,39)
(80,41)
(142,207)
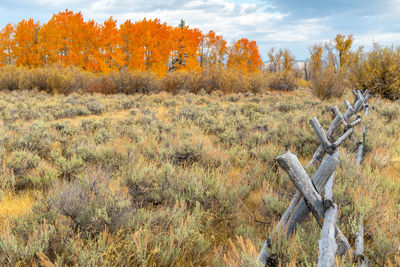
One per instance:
(145,45)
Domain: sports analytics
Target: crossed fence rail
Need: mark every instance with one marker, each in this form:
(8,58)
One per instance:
(308,196)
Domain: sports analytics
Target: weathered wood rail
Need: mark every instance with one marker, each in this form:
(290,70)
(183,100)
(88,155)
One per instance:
(308,196)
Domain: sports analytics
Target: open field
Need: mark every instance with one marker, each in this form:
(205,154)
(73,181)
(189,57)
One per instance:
(181,180)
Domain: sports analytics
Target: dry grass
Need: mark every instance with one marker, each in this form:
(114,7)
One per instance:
(193,175)
(14,205)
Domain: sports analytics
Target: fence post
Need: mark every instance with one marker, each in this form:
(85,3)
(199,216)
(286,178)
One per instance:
(327,244)
(308,195)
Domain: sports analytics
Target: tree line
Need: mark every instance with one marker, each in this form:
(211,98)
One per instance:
(148,44)
(155,47)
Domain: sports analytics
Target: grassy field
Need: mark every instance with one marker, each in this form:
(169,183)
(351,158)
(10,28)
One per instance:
(181,180)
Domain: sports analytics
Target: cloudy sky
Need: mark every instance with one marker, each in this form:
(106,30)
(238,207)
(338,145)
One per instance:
(272,23)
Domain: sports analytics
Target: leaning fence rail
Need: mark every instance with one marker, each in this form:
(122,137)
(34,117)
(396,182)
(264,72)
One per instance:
(308,196)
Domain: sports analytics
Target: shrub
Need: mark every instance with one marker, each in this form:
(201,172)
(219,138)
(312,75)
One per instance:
(274,207)
(67,80)
(133,82)
(58,79)
(14,251)
(175,82)
(42,178)
(213,79)
(378,71)
(21,162)
(187,153)
(102,85)
(155,232)
(69,168)
(285,80)
(328,82)
(390,113)
(38,139)
(93,203)
(11,78)
(38,79)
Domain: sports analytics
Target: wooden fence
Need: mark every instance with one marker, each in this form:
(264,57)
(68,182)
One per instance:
(308,196)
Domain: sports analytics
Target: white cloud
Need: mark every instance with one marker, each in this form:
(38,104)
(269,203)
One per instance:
(384,38)
(233,20)
(280,23)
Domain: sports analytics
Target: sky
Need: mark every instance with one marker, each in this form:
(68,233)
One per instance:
(295,25)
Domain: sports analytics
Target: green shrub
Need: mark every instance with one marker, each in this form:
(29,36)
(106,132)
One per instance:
(274,207)
(93,203)
(38,139)
(14,251)
(186,153)
(390,113)
(69,168)
(21,162)
(41,178)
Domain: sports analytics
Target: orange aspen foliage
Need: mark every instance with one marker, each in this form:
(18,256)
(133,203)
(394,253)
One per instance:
(26,38)
(50,42)
(146,45)
(111,46)
(6,44)
(133,52)
(245,56)
(185,52)
(213,49)
(65,39)
(89,44)
(153,39)
(126,31)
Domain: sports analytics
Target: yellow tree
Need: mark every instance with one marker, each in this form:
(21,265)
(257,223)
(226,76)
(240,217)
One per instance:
(6,44)
(244,55)
(316,52)
(275,59)
(288,60)
(342,45)
(26,49)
